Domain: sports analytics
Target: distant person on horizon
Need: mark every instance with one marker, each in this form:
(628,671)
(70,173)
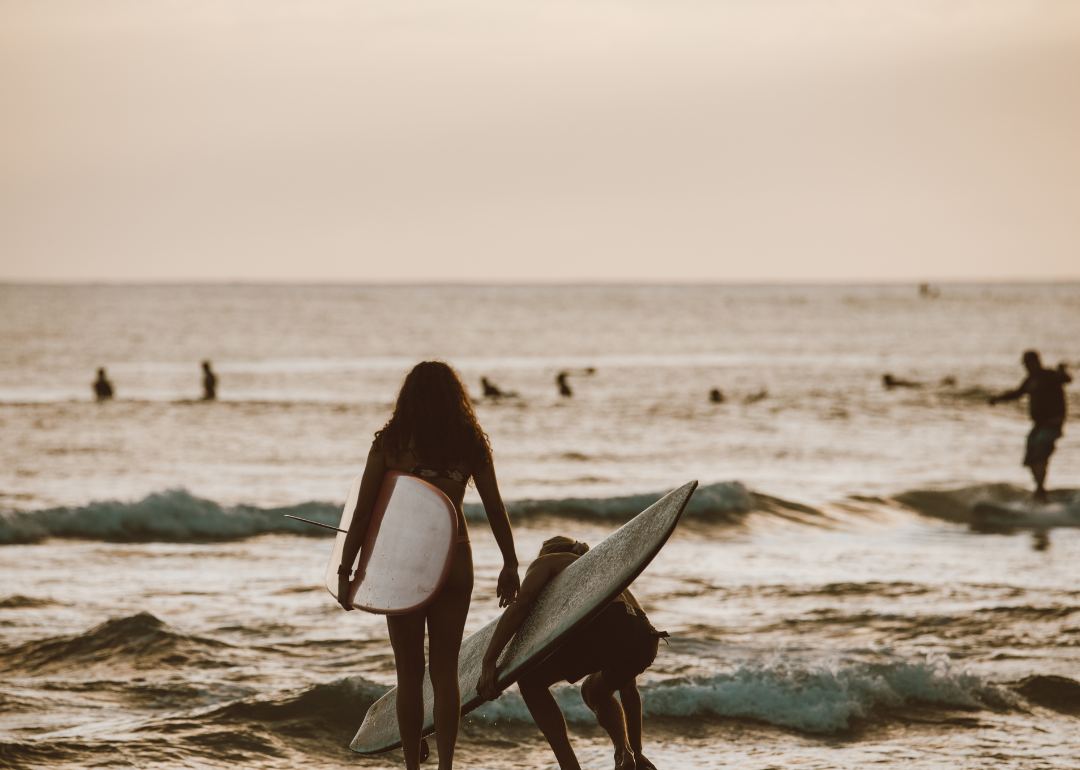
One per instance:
(716,396)
(209,382)
(564,388)
(891,382)
(610,651)
(490,389)
(1045,389)
(103,389)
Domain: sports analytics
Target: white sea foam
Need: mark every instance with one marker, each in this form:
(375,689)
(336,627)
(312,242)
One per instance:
(812,697)
(711,500)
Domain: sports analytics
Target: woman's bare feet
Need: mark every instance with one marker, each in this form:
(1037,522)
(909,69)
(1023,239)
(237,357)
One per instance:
(624,759)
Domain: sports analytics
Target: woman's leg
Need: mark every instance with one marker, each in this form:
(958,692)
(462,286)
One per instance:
(446,623)
(407,638)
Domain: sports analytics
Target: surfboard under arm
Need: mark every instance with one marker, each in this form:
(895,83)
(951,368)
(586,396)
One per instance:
(567,603)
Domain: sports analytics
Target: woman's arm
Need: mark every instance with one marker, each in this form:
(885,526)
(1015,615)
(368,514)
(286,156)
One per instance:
(370,483)
(488,487)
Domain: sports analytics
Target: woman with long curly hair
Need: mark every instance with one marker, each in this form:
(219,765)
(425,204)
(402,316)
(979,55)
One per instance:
(433,434)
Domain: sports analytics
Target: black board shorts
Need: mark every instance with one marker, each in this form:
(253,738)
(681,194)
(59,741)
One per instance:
(616,643)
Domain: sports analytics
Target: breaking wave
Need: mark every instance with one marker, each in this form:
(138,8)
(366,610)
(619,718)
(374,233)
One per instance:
(177,516)
(957,504)
(714,501)
(174,516)
(811,697)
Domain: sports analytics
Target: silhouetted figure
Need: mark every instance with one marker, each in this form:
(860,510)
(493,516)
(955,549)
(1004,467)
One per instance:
(891,382)
(1045,389)
(490,390)
(716,396)
(103,389)
(209,382)
(564,389)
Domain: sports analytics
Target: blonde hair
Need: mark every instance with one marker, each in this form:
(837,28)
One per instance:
(563,544)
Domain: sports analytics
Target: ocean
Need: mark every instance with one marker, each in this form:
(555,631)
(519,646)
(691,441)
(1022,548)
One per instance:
(830,603)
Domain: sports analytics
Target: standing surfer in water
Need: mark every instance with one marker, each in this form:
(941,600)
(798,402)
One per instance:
(209,382)
(433,434)
(610,652)
(1045,389)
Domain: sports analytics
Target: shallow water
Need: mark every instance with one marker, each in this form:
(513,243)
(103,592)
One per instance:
(829,603)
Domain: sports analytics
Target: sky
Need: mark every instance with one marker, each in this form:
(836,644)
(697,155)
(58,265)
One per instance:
(542,141)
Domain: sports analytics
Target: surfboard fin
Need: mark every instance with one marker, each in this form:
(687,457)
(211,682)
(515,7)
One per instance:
(316,523)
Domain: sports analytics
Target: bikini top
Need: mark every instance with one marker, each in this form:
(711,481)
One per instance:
(429,473)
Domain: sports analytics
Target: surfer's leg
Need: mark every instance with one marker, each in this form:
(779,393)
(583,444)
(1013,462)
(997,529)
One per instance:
(631,703)
(546,713)
(407,638)
(446,624)
(1038,472)
(599,696)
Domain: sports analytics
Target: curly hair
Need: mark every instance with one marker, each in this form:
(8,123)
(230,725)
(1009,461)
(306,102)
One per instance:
(434,419)
(563,544)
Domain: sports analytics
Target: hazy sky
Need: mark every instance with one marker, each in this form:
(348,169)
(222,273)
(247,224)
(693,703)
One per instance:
(552,140)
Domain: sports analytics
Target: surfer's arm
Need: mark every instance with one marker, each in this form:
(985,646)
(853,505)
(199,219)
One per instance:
(370,482)
(488,487)
(538,575)
(1012,395)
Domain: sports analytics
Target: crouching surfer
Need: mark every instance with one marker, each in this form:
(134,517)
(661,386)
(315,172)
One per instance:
(610,652)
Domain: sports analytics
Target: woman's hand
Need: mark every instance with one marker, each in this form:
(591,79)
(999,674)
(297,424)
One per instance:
(509,584)
(486,687)
(343,586)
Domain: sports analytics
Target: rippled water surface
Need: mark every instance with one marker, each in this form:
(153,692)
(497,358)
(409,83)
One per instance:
(829,601)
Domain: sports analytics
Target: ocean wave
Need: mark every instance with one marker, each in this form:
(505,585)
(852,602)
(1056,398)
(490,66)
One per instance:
(18,602)
(177,516)
(1054,692)
(957,505)
(716,502)
(335,704)
(139,641)
(812,697)
(173,516)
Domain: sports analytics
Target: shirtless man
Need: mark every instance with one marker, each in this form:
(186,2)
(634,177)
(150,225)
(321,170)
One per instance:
(612,650)
(1045,389)
(103,389)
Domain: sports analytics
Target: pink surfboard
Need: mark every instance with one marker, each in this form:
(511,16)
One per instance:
(409,547)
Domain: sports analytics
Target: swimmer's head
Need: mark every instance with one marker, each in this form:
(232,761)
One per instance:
(1032,360)
(563,544)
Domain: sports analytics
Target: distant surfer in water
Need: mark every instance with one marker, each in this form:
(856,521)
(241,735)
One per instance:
(103,389)
(564,387)
(610,652)
(1045,389)
(491,390)
(433,434)
(890,382)
(209,382)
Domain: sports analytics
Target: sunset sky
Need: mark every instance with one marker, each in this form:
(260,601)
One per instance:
(557,140)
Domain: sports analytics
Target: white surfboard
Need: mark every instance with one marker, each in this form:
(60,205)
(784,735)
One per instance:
(573,598)
(409,548)
(1021,516)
